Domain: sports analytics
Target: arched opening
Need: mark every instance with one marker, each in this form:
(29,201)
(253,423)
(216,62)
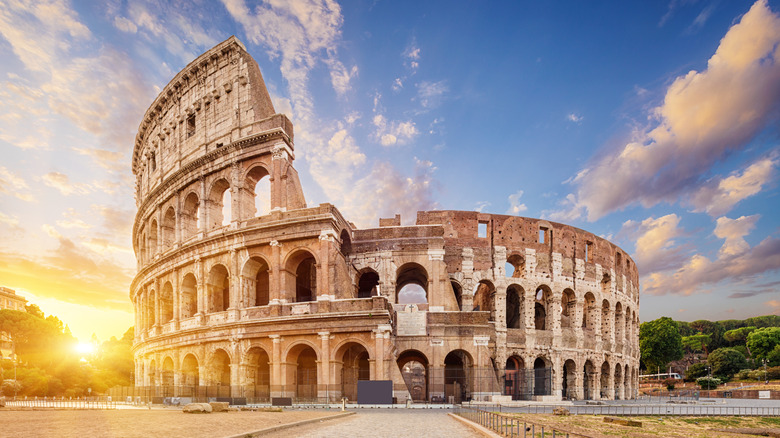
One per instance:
(604,387)
(218,289)
(588,382)
(219,372)
(256,282)
(166,302)
(628,318)
(152,239)
(346,243)
(542,377)
(618,381)
(150,305)
(167,377)
(258,375)
(368,283)
(152,373)
(569,382)
(457,377)
(189,372)
(457,290)
(484,297)
(568,308)
(514,381)
(606,283)
(605,318)
(627,383)
(619,324)
(189,296)
(589,312)
(258,185)
(304,359)
(219,204)
(414,369)
(542,307)
(190,217)
(517,264)
(411,284)
(354,366)
(168,229)
(515,298)
(142,246)
(306,280)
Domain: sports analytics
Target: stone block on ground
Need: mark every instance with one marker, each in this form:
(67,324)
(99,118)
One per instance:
(197,408)
(623,421)
(219,406)
(561,411)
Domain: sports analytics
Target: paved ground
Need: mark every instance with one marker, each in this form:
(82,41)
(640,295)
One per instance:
(385,423)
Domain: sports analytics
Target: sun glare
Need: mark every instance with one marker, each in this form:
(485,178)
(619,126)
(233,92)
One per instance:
(85,348)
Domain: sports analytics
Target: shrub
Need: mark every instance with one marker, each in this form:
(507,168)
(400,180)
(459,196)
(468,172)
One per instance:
(744,375)
(695,371)
(708,382)
(669,383)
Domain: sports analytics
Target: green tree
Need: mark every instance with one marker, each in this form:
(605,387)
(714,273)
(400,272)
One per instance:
(696,343)
(773,357)
(695,371)
(660,342)
(762,341)
(114,361)
(725,362)
(34,310)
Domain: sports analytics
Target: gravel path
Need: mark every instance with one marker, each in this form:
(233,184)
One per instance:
(384,423)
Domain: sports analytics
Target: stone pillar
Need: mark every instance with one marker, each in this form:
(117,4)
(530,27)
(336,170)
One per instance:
(436,288)
(611,384)
(579,383)
(277,385)
(203,209)
(381,333)
(324,365)
(277,293)
(156,304)
(327,238)
(278,166)
(499,306)
(202,293)
(176,298)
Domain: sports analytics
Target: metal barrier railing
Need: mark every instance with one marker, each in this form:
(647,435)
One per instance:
(507,426)
(645,410)
(62,403)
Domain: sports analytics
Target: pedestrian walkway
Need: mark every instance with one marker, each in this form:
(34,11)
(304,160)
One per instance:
(385,423)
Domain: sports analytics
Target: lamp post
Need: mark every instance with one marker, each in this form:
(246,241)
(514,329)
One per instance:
(766,376)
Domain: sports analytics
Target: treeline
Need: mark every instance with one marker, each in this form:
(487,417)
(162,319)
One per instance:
(728,349)
(48,364)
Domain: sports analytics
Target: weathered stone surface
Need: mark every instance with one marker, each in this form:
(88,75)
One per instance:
(219,406)
(286,300)
(561,411)
(623,421)
(197,408)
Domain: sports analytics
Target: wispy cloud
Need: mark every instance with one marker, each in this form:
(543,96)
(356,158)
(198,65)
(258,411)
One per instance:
(14,185)
(575,118)
(515,206)
(431,94)
(705,115)
(656,247)
(390,133)
(62,183)
(719,195)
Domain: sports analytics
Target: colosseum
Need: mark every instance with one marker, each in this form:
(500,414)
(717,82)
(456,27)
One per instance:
(245,292)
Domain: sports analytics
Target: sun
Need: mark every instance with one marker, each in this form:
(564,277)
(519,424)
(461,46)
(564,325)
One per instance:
(85,348)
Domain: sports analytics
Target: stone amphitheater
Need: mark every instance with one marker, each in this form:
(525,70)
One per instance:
(245,292)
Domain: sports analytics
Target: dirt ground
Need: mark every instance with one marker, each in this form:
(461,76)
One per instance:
(142,423)
(593,426)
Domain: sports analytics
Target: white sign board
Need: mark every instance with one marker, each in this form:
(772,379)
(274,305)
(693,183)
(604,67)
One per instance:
(764,394)
(412,323)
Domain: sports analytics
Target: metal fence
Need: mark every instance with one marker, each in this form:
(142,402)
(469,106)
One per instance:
(646,410)
(507,426)
(62,403)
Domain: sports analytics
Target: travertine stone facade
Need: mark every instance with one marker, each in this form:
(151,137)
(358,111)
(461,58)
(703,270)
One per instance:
(245,291)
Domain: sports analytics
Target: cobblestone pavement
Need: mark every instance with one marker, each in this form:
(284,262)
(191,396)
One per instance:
(385,423)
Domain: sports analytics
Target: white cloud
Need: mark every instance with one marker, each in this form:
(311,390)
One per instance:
(14,185)
(431,94)
(394,132)
(515,206)
(704,116)
(481,206)
(62,183)
(125,25)
(719,195)
(397,84)
(573,117)
(656,248)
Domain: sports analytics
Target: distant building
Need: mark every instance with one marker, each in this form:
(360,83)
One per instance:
(9,300)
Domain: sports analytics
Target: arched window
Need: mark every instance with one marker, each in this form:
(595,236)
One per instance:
(458,291)
(189,296)
(219,204)
(258,188)
(542,308)
(190,217)
(484,297)
(346,243)
(306,280)
(411,284)
(257,285)
(166,303)
(368,284)
(515,297)
(516,266)
(218,288)
(589,312)
(568,307)
(168,229)
(152,239)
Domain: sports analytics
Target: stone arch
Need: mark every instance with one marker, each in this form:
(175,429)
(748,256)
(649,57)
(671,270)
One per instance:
(589,311)
(219,371)
(619,323)
(458,382)
(352,363)
(606,283)
(517,263)
(190,371)
(257,186)
(542,305)
(256,282)
(606,317)
(618,381)
(153,239)
(142,245)
(302,362)
(588,380)
(151,316)
(189,295)
(542,376)
(218,288)
(367,283)
(484,298)
(219,213)
(411,284)
(166,303)
(627,382)
(515,306)
(457,290)
(346,242)
(514,382)
(168,229)
(414,370)
(301,267)
(152,373)
(258,373)
(167,376)
(628,318)
(568,308)
(569,380)
(190,216)
(606,371)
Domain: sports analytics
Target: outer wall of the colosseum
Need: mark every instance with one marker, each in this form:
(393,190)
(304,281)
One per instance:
(244,290)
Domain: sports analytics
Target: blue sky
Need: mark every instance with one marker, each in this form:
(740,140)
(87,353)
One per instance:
(652,124)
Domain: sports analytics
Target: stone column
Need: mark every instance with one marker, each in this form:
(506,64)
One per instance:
(324,365)
(380,334)
(201,298)
(499,306)
(277,385)
(327,238)
(276,294)
(278,165)
(579,385)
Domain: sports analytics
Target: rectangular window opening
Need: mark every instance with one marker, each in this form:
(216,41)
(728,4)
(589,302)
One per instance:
(190,126)
(542,232)
(587,251)
(482,229)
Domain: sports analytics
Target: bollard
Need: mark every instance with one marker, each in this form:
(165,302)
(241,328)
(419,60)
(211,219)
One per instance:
(343,404)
